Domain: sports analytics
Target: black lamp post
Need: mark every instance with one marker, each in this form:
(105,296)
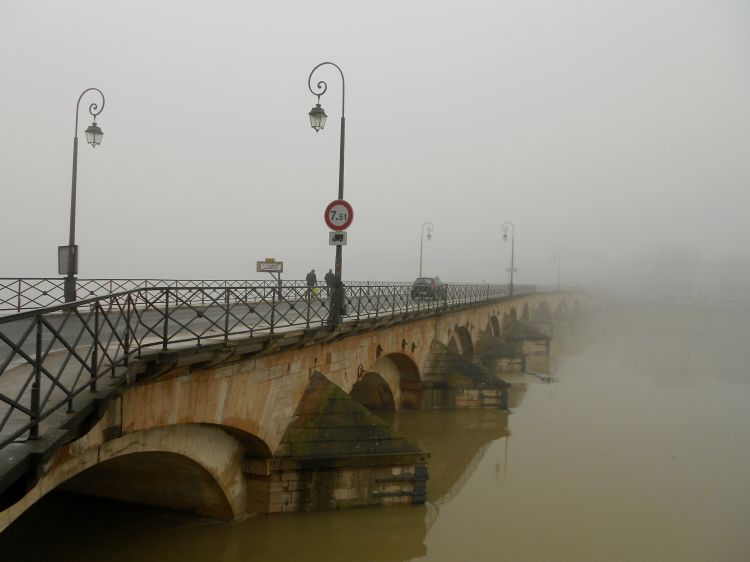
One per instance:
(318,121)
(426,227)
(67,256)
(506,226)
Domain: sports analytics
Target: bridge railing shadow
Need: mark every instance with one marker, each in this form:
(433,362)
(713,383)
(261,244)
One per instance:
(53,360)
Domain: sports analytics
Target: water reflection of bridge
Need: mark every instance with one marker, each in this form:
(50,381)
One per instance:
(457,442)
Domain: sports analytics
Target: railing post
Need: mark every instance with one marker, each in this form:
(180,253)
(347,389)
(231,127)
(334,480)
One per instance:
(126,339)
(306,296)
(95,352)
(226,315)
(273,308)
(18,301)
(377,300)
(166,322)
(36,385)
(393,302)
(359,301)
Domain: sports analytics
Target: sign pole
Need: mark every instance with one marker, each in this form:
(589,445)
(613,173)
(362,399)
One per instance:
(338,216)
(274,268)
(338,301)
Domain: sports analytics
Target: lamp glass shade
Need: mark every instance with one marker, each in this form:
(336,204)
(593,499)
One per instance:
(429,236)
(317,118)
(94,135)
(505,237)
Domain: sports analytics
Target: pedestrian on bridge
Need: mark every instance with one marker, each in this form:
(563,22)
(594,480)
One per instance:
(312,280)
(330,281)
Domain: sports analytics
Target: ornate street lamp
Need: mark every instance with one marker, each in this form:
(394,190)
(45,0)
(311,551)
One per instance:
(67,256)
(426,227)
(317,121)
(94,134)
(318,117)
(506,226)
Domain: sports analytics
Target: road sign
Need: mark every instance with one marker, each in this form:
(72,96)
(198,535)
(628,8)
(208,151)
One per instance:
(339,215)
(67,256)
(337,238)
(270,266)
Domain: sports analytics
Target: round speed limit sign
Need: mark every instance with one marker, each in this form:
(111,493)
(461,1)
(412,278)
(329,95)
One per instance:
(339,215)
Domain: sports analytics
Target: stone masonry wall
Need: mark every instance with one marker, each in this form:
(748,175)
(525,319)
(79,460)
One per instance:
(279,487)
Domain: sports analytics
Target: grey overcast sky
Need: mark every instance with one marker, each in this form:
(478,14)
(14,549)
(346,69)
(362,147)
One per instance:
(605,130)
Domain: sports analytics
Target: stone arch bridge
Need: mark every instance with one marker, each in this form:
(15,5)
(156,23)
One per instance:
(279,421)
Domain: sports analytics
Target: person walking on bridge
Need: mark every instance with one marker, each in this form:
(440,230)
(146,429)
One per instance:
(312,280)
(330,281)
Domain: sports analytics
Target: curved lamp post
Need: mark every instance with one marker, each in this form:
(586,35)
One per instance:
(508,226)
(318,121)
(67,256)
(426,227)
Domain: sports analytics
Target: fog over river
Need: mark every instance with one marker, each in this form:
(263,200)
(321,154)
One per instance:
(637,451)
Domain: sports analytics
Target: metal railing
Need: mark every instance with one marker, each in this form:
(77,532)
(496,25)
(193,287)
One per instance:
(18,294)
(51,356)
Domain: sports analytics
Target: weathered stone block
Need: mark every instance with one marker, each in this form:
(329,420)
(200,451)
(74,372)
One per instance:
(289,476)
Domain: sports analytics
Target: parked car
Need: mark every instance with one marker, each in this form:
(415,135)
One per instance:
(428,288)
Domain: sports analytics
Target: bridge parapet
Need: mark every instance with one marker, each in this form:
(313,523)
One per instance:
(211,366)
(53,359)
(20,294)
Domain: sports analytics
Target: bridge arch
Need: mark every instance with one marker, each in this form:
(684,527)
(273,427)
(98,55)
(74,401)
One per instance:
(543,313)
(155,478)
(252,445)
(401,374)
(199,466)
(373,392)
(494,326)
(561,310)
(525,316)
(510,320)
(461,342)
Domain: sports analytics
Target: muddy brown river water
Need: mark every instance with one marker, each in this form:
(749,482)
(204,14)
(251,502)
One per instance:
(639,450)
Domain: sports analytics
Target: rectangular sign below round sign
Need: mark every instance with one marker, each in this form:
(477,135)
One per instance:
(270,266)
(337,238)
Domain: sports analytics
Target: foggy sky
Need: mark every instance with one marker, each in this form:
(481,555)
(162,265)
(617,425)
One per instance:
(606,131)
